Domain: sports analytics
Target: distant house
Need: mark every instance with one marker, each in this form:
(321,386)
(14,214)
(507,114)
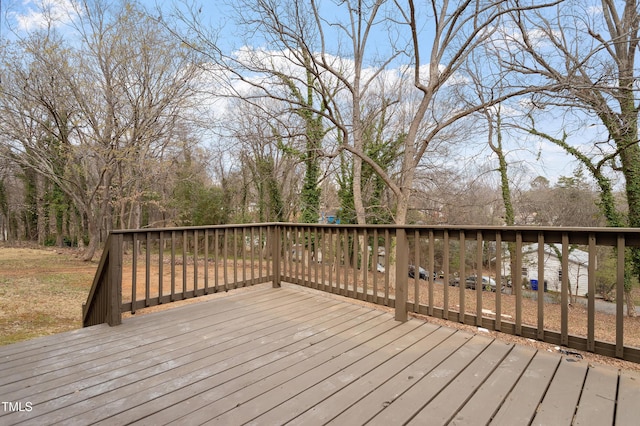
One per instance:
(578,263)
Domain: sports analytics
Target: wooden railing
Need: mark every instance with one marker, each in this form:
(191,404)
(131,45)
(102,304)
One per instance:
(145,268)
(372,263)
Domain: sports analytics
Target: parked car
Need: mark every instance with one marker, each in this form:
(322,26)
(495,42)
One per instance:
(488,283)
(423,273)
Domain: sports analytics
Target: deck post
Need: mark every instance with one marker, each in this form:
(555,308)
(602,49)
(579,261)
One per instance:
(114,281)
(276,235)
(402,274)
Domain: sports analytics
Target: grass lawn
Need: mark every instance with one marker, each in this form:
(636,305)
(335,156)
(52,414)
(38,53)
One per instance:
(41,292)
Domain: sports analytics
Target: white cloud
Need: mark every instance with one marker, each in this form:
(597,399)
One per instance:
(36,14)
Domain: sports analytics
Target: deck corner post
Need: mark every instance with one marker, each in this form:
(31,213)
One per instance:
(276,254)
(402,274)
(114,287)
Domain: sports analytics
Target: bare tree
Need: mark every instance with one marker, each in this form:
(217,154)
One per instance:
(316,66)
(585,54)
(270,154)
(459,28)
(89,107)
(309,38)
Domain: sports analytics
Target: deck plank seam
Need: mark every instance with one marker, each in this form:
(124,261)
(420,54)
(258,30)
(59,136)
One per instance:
(486,378)
(513,386)
(582,385)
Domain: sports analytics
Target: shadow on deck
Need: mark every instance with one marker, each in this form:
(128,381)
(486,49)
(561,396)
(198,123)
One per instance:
(272,356)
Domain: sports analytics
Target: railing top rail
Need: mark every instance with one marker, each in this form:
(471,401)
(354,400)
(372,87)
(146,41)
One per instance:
(395,226)
(191,228)
(527,228)
(578,235)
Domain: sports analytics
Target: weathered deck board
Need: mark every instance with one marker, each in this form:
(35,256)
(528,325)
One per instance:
(522,402)
(53,365)
(481,407)
(325,387)
(446,404)
(597,402)
(226,337)
(45,372)
(200,394)
(381,397)
(628,398)
(402,409)
(271,356)
(346,397)
(560,401)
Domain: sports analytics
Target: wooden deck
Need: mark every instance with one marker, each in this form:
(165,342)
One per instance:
(272,356)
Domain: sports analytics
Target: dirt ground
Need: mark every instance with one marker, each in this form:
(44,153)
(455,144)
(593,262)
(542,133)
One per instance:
(42,292)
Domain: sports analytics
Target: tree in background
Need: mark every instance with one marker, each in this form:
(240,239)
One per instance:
(98,101)
(585,54)
(325,83)
(314,134)
(265,155)
(385,153)
(195,199)
(11,193)
(572,201)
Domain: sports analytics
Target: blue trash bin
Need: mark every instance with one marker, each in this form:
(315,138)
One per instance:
(534,284)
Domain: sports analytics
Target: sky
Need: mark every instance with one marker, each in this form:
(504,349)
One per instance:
(30,14)
(540,157)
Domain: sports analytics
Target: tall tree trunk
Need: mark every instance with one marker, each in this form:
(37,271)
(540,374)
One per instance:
(503,169)
(314,134)
(358,144)
(627,141)
(631,169)
(97,213)
(94,239)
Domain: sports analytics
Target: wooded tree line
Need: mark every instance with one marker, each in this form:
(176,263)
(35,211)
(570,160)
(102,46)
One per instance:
(117,116)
